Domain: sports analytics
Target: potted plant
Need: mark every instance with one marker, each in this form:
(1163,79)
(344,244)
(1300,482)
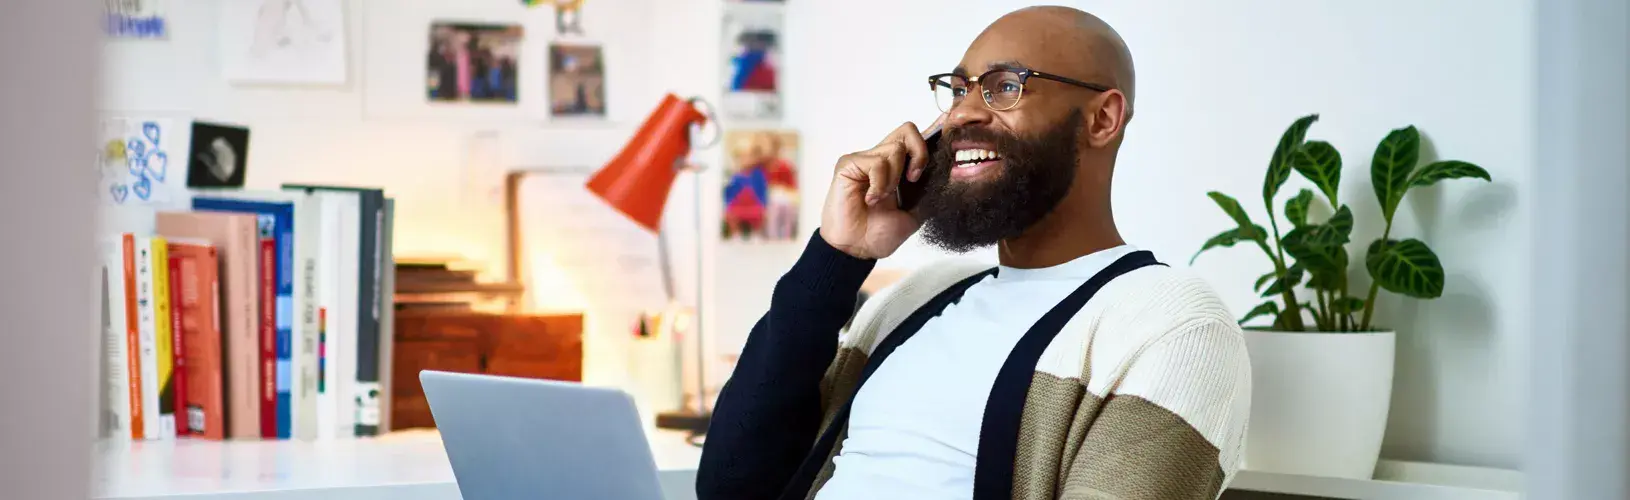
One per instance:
(1321,366)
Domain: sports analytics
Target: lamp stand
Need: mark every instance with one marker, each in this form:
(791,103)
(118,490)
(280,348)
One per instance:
(693,418)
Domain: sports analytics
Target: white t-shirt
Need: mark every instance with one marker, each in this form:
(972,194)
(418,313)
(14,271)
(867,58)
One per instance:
(914,427)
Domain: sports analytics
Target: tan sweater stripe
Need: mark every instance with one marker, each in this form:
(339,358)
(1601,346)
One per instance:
(1136,449)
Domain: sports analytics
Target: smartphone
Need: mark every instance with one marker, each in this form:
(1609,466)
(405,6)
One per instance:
(908,193)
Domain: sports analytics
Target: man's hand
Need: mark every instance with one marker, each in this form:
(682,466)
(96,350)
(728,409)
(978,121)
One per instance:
(861,217)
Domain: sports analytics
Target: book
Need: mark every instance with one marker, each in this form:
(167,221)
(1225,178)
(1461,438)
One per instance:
(387,315)
(237,246)
(194,270)
(338,282)
(299,243)
(133,343)
(118,379)
(178,358)
(365,392)
(275,227)
(147,300)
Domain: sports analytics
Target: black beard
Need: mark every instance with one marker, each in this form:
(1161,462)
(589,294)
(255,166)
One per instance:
(1036,174)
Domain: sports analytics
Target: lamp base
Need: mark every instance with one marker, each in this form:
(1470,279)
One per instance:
(685,420)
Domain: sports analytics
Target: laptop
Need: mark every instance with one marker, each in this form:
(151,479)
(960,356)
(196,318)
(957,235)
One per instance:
(511,438)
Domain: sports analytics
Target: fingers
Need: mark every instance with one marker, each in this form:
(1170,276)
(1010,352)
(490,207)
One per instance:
(876,171)
(907,136)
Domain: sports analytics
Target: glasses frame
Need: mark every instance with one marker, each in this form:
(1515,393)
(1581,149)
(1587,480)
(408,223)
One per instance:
(1024,79)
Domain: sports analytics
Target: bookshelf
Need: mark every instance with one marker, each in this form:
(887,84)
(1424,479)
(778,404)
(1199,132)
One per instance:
(234,314)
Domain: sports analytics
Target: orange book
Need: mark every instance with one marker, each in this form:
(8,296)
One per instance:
(237,247)
(133,340)
(194,279)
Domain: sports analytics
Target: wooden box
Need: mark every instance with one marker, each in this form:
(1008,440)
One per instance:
(517,345)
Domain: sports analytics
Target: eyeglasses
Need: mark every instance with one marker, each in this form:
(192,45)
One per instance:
(1001,88)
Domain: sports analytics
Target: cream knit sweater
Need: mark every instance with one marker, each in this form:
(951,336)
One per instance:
(1143,395)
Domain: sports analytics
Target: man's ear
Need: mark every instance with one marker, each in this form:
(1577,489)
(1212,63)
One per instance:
(1108,119)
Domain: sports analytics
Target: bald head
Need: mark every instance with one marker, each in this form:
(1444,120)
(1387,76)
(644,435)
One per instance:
(1086,47)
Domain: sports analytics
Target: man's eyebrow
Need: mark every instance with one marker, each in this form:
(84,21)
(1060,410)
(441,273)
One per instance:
(1009,65)
(1006,65)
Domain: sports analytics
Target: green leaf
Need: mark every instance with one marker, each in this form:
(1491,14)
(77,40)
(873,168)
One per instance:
(1280,165)
(1392,166)
(1293,275)
(1333,232)
(1296,208)
(1269,308)
(1231,237)
(1320,163)
(1347,305)
(1324,281)
(1447,169)
(1232,207)
(1405,267)
(1264,280)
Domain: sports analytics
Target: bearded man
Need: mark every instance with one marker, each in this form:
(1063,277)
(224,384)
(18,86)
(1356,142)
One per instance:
(1079,367)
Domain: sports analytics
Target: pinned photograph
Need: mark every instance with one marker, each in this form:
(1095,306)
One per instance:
(577,80)
(473,63)
(761,186)
(752,51)
(568,17)
(219,156)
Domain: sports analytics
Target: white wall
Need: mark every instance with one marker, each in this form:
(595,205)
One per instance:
(1217,84)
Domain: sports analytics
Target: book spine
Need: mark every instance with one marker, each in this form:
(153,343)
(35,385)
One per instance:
(146,312)
(367,377)
(243,339)
(163,337)
(285,325)
(138,422)
(116,378)
(387,310)
(178,347)
(268,336)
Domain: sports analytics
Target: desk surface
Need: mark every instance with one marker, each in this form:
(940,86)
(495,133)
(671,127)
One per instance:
(408,465)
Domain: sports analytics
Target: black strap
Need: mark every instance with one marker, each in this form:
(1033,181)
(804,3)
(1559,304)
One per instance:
(798,487)
(999,432)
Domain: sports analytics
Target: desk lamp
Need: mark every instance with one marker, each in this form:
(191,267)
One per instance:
(637,182)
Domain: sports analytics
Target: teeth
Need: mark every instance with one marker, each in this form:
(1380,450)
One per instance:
(965,155)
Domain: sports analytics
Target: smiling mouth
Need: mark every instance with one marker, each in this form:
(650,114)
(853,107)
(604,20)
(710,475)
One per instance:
(971,162)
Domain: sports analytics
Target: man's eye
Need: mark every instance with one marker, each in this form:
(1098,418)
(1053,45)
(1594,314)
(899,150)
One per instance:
(1007,87)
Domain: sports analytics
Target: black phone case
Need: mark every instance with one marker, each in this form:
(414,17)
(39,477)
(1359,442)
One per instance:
(908,193)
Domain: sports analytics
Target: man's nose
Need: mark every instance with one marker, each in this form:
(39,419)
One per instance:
(971,110)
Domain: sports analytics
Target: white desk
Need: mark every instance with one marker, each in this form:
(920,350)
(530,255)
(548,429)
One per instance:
(409,465)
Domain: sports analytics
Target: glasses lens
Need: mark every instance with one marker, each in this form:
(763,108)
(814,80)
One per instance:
(1002,89)
(948,91)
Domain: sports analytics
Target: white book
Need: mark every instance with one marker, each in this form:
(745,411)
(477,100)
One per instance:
(116,409)
(147,322)
(303,360)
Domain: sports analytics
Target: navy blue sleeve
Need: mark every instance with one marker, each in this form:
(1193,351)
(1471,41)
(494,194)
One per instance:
(768,414)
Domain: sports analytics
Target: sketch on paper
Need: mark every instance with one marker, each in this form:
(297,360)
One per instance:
(473,62)
(577,80)
(133,160)
(283,41)
(752,51)
(761,190)
(135,19)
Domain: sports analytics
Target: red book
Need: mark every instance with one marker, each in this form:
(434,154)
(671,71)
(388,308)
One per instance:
(195,282)
(268,337)
(178,346)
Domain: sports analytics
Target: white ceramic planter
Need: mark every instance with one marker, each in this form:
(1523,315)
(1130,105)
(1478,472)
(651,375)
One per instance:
(1319,402)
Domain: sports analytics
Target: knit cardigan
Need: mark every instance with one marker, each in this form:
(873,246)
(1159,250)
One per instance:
(1142,394)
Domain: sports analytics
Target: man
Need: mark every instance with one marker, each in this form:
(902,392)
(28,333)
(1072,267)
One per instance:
(1078,368)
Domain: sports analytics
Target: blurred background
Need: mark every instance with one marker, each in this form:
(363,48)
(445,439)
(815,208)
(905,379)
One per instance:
(440,155)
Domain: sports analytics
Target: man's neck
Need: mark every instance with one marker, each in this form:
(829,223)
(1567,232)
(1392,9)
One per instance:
(1056,240)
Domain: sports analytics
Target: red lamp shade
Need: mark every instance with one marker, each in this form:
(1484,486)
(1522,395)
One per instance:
(637,180)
